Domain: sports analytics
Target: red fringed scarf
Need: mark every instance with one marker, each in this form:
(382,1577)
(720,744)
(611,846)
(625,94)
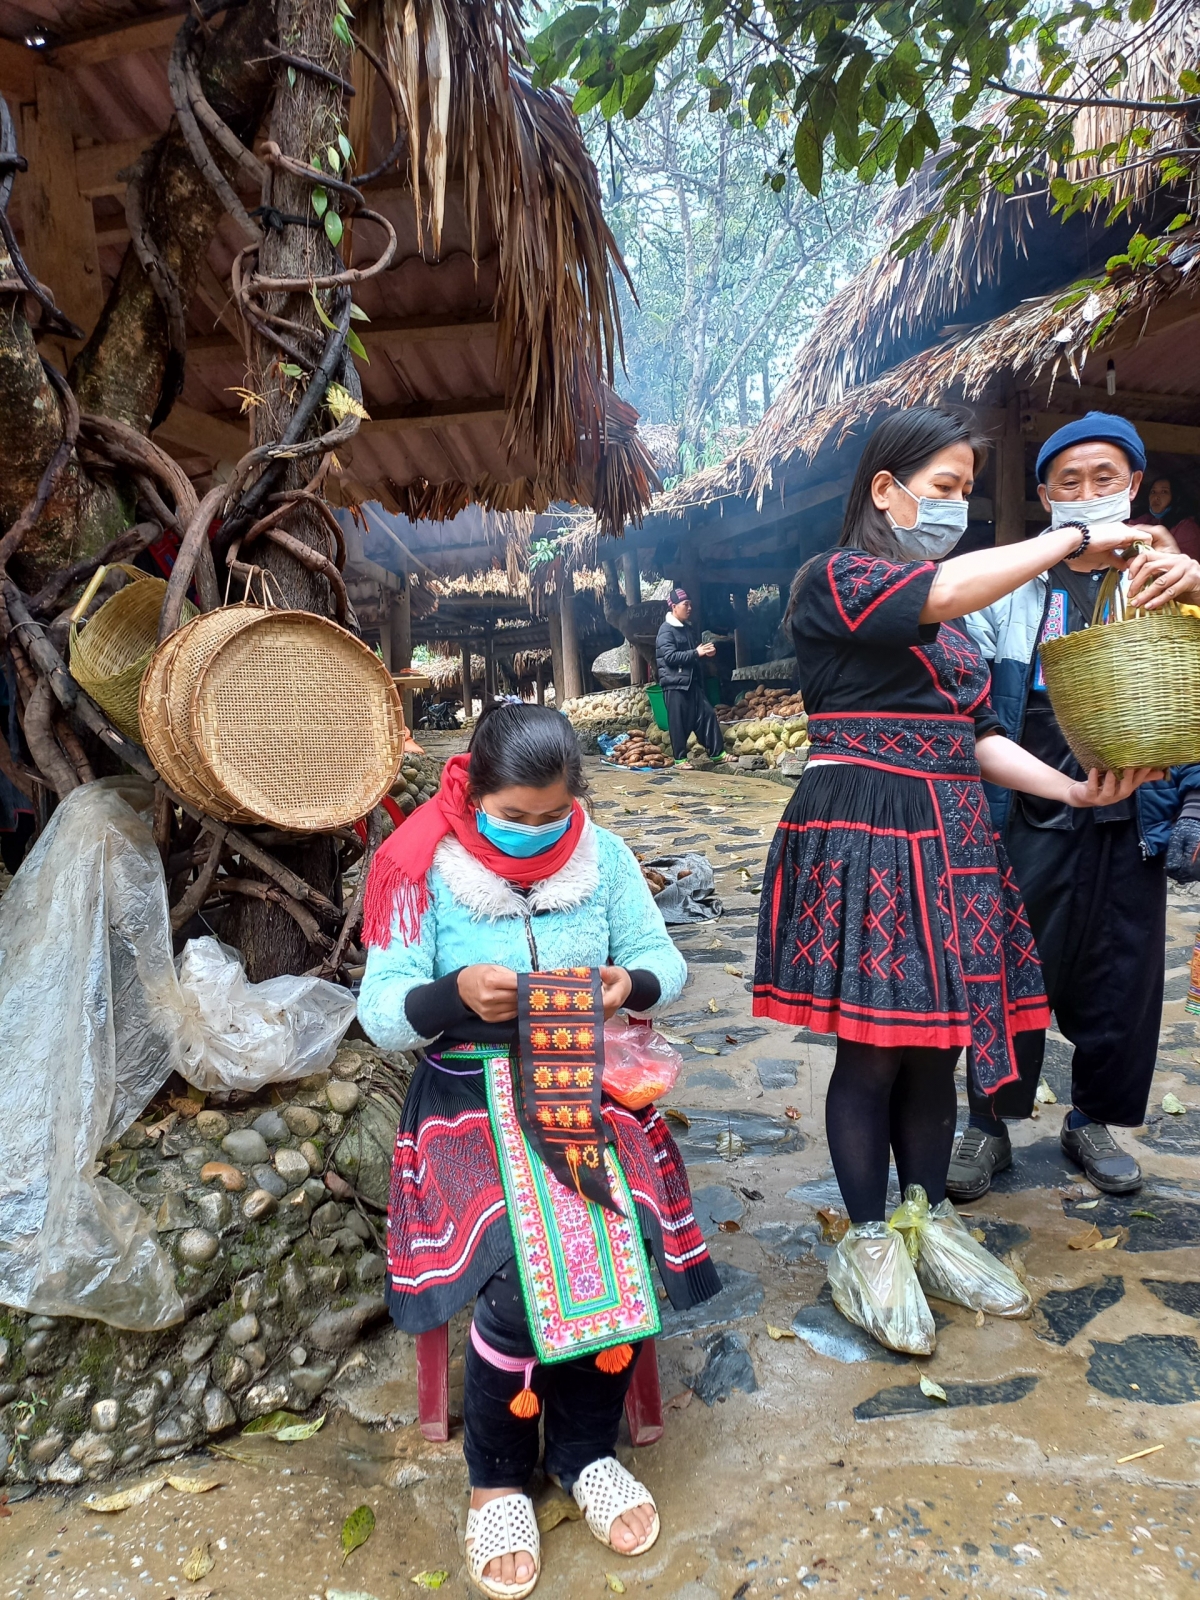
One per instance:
(398,884)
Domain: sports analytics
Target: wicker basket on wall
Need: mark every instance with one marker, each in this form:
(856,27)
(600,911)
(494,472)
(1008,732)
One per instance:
(1126,691)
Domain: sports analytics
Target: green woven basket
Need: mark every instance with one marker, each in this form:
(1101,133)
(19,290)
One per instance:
(1126,691)
(110,653)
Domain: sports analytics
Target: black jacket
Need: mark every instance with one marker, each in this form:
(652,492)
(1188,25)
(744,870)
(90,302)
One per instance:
(675,656)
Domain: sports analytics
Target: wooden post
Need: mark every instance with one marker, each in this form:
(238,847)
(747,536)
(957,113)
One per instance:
(572,672)
(554,618)
(467,696)
(633,597)
(741,636)
(60,232)
(539,689)
(489,666)
(1009,510)
(400,630)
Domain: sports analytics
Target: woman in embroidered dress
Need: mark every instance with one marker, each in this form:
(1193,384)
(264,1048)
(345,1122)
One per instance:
(888,916)
(503,873)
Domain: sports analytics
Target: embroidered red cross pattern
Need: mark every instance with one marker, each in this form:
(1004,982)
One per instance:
(973,814)
(984,907)
(887,921)
(983,1038)
(821,914)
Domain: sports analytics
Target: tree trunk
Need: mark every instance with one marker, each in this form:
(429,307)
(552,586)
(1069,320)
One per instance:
(306,118)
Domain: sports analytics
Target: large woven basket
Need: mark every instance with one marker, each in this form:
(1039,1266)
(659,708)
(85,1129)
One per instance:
(1126,691)
(297,722)
(165,708)
(110,654)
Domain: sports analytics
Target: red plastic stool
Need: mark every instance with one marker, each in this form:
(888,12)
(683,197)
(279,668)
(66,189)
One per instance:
(643,1402)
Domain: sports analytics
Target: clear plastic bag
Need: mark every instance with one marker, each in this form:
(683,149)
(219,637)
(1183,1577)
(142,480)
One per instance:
(88,1035)
(235,1034)
(875,1286)
(639,1065)
(951,1264)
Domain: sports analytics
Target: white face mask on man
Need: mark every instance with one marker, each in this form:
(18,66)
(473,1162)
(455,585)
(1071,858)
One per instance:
(1108,508)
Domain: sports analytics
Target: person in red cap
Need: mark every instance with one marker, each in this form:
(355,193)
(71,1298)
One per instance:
(677,656)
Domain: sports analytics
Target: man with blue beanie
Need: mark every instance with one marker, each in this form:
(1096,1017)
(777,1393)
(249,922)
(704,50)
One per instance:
(1093,882)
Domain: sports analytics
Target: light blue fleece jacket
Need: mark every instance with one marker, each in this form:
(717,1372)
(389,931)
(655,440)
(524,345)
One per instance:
(598,911)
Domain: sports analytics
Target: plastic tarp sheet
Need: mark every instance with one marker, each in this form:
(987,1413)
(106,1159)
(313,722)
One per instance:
(690,894)
(93,1020)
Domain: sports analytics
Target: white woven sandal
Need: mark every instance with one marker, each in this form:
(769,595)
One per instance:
(501,1528)
(604,1491)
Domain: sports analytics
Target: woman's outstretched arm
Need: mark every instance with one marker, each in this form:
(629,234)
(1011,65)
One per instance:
(969,583)
(1010,767)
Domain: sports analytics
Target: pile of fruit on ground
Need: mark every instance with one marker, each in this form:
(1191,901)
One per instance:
(643,747)
(416,782)
(760,703)
(773,737)
(623,708)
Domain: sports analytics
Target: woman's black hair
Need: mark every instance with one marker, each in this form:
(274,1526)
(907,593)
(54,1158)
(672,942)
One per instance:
(902,444)
(524,746)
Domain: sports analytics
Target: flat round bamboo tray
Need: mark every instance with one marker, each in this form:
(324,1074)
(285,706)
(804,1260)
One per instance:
(165,708)
(1127,693)
(298,722)
(110,654)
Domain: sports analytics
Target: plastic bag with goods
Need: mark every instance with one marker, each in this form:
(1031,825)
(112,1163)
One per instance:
(689,892)
(88,1035)
(639,1065)
(875,1286)
(951,1264)
(235,1034)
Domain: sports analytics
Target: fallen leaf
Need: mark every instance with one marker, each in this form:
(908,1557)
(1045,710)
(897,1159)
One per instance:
(730,1145)
(730,1038)
(680,1401)
(980,1319)
(730,1226)
(713,1006)
(792,1113)
(707,1049)
(1137,1455)
(779,1333)
(1045,1095)
(1173,1105)
(185,1105)
(932,1389)
(124,1498)
(1087,1205)
(193,1485)
(1106,1244)
(752,1194)
(301,1430)
(675,1038)
(834,1225)
(1085,1240)
(1146,1216)
(614,1583)
(734,972)
(272,1422)
(198,1564)
(557,1507)
(979,1236)
(431,1580)
(356,1530)
(676,1116)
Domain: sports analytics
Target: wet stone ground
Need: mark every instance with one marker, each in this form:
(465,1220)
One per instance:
(798,1456)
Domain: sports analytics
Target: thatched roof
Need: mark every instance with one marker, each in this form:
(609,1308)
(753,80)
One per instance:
(493,334)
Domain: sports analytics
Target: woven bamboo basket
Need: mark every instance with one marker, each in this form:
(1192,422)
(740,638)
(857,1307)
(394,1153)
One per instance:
(165,708)
(297,722)
(1126,691)
(110,654)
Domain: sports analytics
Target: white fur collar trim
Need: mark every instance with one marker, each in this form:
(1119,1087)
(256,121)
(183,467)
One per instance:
(485,895)
(674,621)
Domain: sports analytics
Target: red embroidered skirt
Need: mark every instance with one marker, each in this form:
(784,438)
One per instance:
(889,912)
(448,1227)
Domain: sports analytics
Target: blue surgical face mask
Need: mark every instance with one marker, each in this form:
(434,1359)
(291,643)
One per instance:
(939,526)
(1107,508)
(520,838)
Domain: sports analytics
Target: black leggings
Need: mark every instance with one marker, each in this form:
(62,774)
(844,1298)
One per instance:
(902,1098)
(581,1406)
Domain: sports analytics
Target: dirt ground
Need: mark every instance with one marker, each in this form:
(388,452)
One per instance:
(803,1463)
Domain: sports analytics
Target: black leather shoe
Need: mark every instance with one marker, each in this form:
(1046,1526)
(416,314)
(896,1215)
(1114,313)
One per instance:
(1106,1165)
(977,1157)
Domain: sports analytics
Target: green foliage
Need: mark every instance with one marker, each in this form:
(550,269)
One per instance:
(874,88)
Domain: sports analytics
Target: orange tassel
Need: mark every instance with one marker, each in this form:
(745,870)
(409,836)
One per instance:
(525,1404)
(616,1358)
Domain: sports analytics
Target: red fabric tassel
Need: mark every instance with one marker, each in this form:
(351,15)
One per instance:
(616,1358)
